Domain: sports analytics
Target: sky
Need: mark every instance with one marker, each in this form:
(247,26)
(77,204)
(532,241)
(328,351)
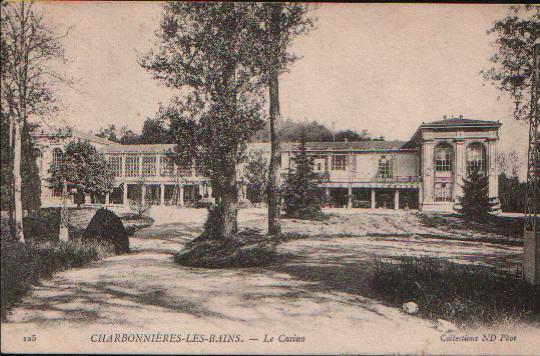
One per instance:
(382,67)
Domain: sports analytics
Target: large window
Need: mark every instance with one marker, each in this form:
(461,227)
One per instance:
(116,165)
(57,155)
(385,167)
(149,166)
(443,192)
(476,157)
(339,162)
(443,157)
(132,166)
(166,166)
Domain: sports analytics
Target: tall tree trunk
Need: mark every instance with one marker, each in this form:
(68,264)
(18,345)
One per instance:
(64,215)
(229,199)
(17,184)
(273,187)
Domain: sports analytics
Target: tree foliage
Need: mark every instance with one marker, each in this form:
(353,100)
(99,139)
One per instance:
(29,47)
(256,172)
(476,204)
(512,191)
(302,197)
(28,50)
(291,131)
(82,168)
(512,68)
(210,53)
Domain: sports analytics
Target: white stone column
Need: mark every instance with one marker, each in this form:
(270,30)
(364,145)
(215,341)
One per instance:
(143,194)
(420,197)
(428,170)
(492,169)
(181,196)
(107,198)
(349,197)
(162,194)
(460,169)
(87,199)
(396,199)
(373,199)
(125,199)
(123,165)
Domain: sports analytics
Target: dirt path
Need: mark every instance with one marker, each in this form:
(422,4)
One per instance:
(315,290)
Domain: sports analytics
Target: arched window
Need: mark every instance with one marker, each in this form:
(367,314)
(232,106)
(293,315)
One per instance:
(476,157)
(444,154)
(57,155)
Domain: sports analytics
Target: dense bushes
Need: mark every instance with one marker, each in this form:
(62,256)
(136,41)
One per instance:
(105,226)
(23,265)
(230,253)
(42,225)
(468,295)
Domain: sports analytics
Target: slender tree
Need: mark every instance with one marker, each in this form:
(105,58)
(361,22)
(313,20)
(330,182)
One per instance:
(273,186)
(28,47)
(512,68)
(283,22)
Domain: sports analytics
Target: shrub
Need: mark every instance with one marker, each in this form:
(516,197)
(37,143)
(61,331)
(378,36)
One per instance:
(468,295)
(23,265)
(139,207)
(230,253)
(105,226)
(42,225)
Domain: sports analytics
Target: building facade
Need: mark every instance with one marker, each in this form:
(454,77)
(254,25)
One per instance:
(423,173)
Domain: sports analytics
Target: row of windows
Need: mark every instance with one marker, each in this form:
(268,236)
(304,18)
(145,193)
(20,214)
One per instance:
(444,156)
(147,167)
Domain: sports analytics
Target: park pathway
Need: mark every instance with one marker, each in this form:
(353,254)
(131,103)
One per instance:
(315,290)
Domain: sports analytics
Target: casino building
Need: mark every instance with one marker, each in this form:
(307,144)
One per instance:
(425,172)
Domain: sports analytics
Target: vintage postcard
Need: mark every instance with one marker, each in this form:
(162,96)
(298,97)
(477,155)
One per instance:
(270,178)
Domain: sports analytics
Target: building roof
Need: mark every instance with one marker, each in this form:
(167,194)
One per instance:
(42,131)
(145,148)
(356,146)
(459,121)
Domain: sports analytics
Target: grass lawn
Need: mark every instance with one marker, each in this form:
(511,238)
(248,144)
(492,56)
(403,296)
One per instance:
(468,295)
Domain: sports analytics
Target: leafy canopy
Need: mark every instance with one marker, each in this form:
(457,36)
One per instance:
(82,167)
(512,68)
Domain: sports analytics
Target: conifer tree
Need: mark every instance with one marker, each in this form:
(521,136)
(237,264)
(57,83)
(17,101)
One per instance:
(302,196)
(475,203)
